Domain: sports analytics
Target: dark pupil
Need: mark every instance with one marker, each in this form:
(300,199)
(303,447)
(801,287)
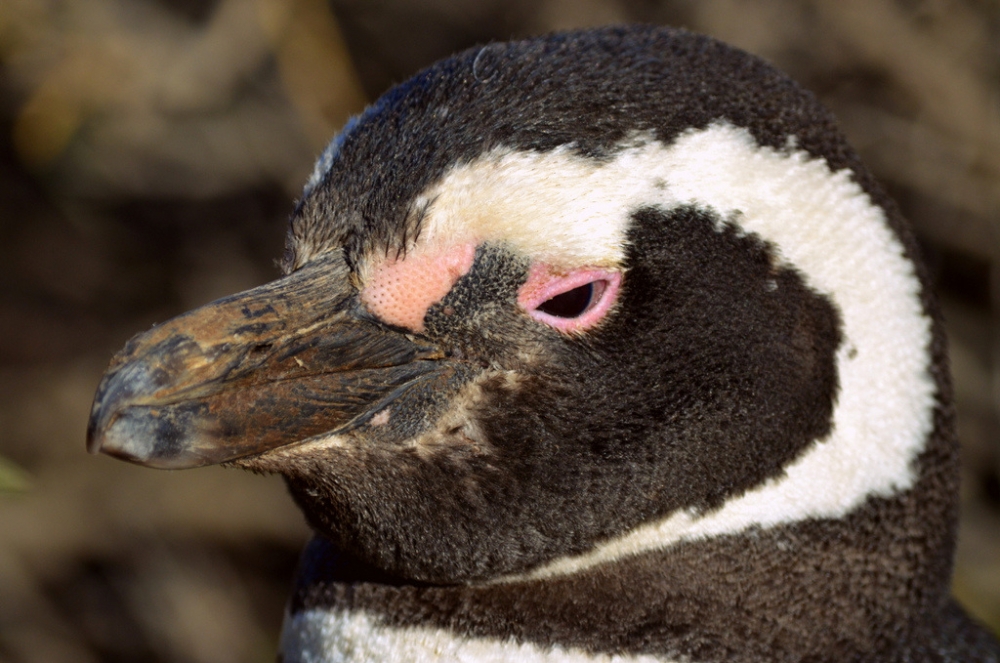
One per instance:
(569,304)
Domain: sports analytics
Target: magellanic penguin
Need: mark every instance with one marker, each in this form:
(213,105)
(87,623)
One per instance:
(600,346)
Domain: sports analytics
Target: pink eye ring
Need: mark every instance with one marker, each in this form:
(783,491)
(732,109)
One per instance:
(570,302)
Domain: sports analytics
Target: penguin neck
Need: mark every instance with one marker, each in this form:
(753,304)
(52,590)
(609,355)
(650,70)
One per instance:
(833,588)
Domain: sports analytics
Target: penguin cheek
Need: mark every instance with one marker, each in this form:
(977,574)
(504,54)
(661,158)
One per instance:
(572,301)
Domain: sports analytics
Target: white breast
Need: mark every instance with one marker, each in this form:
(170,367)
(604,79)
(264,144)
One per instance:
(320,636)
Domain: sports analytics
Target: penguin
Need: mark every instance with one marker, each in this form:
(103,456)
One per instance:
(597,346)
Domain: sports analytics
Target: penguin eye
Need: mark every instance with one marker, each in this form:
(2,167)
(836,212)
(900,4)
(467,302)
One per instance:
(569,302)
(572,303)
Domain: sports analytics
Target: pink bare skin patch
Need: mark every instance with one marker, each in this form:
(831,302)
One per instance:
(380,419)
(399,291)
(569,301)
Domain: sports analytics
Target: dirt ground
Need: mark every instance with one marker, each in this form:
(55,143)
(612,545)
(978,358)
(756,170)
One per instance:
(150,153)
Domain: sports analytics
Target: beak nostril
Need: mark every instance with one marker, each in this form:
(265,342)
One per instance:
(260,349)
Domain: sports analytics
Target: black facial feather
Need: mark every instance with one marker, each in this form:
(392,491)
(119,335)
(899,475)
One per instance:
(715,370)
(479,313)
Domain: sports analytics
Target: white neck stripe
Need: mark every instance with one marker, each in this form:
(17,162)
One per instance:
(821,222)
(321,636)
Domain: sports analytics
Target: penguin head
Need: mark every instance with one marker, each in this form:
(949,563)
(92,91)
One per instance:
(558,301)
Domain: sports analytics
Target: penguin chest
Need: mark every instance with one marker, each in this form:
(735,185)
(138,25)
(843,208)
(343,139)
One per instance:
(328,636)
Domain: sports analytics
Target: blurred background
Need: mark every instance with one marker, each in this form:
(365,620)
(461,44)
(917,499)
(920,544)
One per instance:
(150,153)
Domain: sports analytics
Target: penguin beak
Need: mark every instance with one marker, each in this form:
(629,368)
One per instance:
(259,370)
